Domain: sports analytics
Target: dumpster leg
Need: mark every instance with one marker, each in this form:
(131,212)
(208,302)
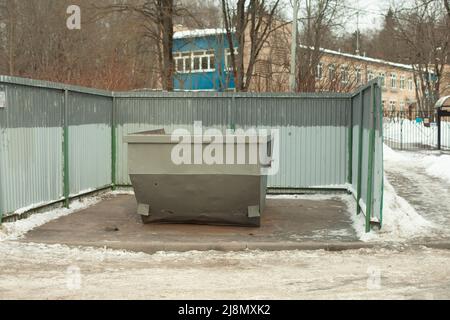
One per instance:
(253,212)
(254,216)
(143,209)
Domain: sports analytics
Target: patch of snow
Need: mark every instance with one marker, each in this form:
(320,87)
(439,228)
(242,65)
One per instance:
(390,155)
(30,207)
(199,33)
(313,196)
(401,222)
(15,230)
(122,191)
(438,166)
(434,164)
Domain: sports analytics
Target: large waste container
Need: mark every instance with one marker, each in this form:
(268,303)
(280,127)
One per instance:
(202,193)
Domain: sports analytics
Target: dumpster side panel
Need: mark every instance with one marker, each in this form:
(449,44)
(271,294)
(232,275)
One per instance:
(195,193)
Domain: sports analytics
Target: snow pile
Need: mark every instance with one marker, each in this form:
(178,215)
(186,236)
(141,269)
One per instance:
(391,155)
(122,191)
(15,230)
(437,166)
(400,220)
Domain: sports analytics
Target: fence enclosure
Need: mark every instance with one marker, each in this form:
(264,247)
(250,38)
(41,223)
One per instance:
(59,141)
(415,130)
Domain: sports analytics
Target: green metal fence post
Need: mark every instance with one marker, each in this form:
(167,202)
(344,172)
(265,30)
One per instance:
(371,150)
(380,115)
(66,180)
(360,151)
(350,145)
(113,144)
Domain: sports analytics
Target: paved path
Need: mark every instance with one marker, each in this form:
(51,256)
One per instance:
(430,196)
(30,271)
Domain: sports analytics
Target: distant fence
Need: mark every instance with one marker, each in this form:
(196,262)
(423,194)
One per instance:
(59,141)
(412,130)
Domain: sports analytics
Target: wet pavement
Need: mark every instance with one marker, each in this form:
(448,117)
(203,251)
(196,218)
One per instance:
(286,224)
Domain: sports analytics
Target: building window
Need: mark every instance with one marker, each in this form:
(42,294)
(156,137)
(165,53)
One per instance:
(228,62)
(319,71)
(182,61)
(402,106)
(402,82)
(393,80)
(383,103)
(370,75)
(194,61)
(331,72)
(410,84)
(358,75)
(344,74)
(382,76)
(392,106)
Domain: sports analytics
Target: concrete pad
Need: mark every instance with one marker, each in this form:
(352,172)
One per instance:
(286,224)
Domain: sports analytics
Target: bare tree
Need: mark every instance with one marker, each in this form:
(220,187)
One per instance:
(198,14)
(322,17)
(8,14)
(158,15)
(248,25)
(425,32)
(447,7)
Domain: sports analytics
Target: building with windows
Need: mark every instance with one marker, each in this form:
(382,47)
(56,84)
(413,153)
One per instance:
(202,61)
(346,72)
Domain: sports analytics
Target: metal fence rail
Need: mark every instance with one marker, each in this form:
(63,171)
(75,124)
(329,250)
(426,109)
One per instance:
(59,141)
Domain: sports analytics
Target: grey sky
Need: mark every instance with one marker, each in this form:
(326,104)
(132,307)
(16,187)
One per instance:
(371,12)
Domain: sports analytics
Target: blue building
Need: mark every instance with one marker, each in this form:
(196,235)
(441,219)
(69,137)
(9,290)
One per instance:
(202,61)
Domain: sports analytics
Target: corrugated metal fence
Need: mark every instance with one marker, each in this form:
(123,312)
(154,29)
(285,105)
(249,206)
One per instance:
(59,141)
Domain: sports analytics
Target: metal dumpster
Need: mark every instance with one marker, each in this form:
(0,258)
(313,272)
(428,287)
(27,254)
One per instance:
(219,194)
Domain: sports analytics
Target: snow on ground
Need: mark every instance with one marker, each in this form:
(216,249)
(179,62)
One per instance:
(435,164)
(15,230)
(438,166)
(422,183)
(401,221)
(32,271)
(410,132)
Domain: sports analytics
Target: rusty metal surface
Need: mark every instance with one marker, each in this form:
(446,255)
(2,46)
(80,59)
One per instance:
(113,223)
